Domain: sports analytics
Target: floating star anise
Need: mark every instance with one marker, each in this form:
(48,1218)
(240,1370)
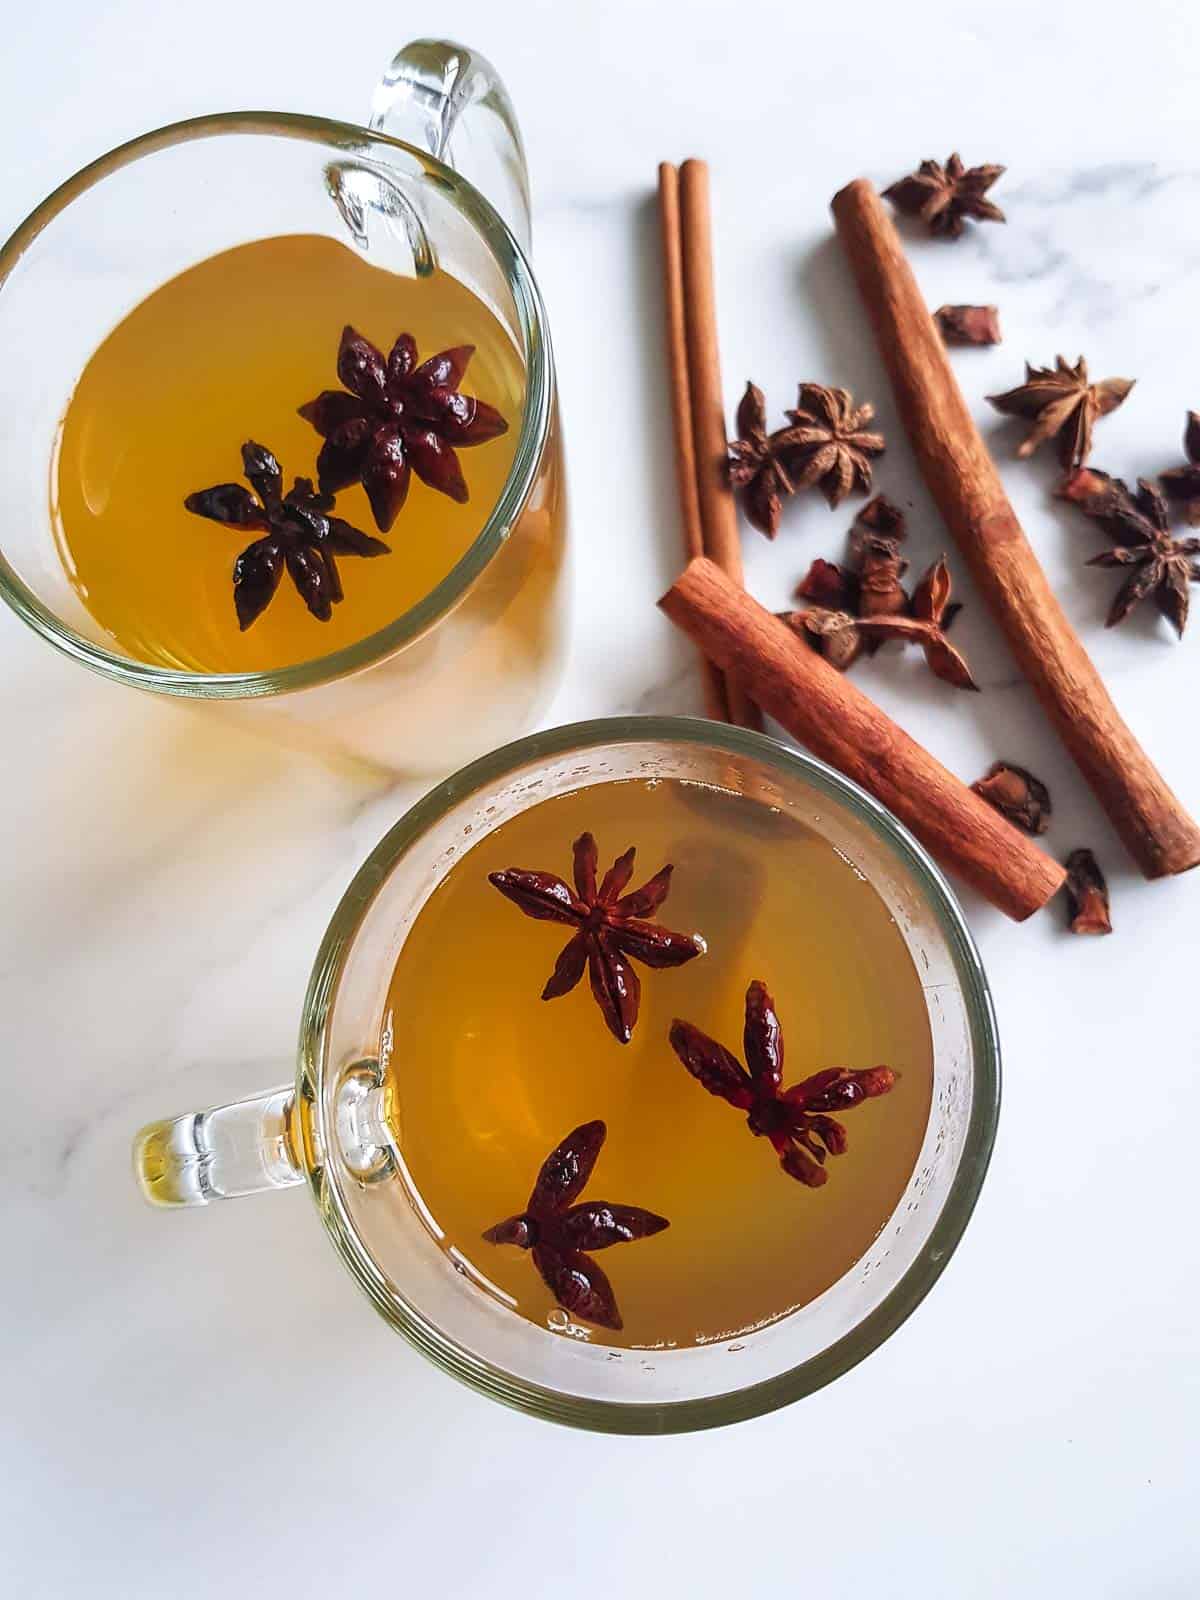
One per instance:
(1087,894)
(828,444)
(1062,404)
(795,1120)
(1182,484)
(299,534)
(1162,566)
(560,1234)
(944,196)
(757,463)
(397,418)
(611,927)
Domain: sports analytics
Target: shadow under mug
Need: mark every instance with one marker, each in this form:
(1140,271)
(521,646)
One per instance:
(329,1129)
(475,661)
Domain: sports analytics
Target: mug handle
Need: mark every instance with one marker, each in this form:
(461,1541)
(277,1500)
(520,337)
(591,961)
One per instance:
(230,1150)
(451,101)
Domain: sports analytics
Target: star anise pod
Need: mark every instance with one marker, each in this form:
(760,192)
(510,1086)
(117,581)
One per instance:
(560,1234)
(1062,404)
(1182,484)
(1017,795)
(797,1121)
(298,534)
(1087,894)
(611,927)
(832,633)
(397,418)
(968,324)
(1161,566)
(875,541)
(757,463)
(828,444)
(943,197)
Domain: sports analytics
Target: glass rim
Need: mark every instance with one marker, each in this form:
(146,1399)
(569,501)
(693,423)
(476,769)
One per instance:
(736,1405)
(535,418)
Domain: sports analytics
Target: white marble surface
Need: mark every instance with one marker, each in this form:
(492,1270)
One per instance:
(202,1404)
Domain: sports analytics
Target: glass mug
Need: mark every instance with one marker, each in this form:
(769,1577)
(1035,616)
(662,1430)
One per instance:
(329,1129)
(475,661)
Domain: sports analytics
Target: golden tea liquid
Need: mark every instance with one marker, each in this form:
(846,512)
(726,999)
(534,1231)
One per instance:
(484,1078)
(226,352)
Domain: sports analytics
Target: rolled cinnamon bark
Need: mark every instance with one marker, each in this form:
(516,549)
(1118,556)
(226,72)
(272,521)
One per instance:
(842,726)
(1157,831)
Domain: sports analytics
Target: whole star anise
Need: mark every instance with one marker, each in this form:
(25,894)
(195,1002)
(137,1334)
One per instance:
(610,929)
(795,1120)
(1182,484)
(757,463)
(943,197)
(299,534)
(397,418)
(1062,404)
(1162,566)
(560,1234)
(828,444)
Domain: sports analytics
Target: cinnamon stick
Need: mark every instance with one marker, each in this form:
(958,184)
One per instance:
(842,726)
(716,701)
(1157,831)
(718,513)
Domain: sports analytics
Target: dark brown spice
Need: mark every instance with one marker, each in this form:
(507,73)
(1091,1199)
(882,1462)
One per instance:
(560,1234)
(1017,795)
(1087,894)
(1062,404)
(397,418)
(299,535)
(943,197)
(829,445)
(611,929)
(1161,566)
(1182,484)
(795,1120)
(758,463)
(971,325)
(875,541)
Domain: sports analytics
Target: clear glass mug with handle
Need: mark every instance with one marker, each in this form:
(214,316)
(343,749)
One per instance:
(475,661)
(329,1129)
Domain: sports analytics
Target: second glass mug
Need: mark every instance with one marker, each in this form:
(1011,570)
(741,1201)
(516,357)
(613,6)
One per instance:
(475,662)
(330,1131)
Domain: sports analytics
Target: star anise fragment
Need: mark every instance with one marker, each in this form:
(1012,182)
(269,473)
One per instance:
(1182,484)
(394,418)
(1062,404)
(828,444)
(875,541)
(757,463)
(968,324)
(611,929)
(298,535)
(797,1121)
(1017,795)
(1087,894)
(1161,566)
(943,197)
(560,1234)
(832,633)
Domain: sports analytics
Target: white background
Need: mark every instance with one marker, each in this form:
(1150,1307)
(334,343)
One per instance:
(201,1404)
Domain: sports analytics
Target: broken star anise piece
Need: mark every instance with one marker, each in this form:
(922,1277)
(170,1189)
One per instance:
(797,1121)
(758,463)
(1162,566)
(1062,404)
(394,418)
(944,196)
(828,443)
(611,927)
(298,535)
(932,614)
(1087,894)
(968,324)
(560,1234)
(875,541)
(1017,795)
(1182,484)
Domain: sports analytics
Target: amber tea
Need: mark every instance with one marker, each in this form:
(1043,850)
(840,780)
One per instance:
(587,1079)
(239,485)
